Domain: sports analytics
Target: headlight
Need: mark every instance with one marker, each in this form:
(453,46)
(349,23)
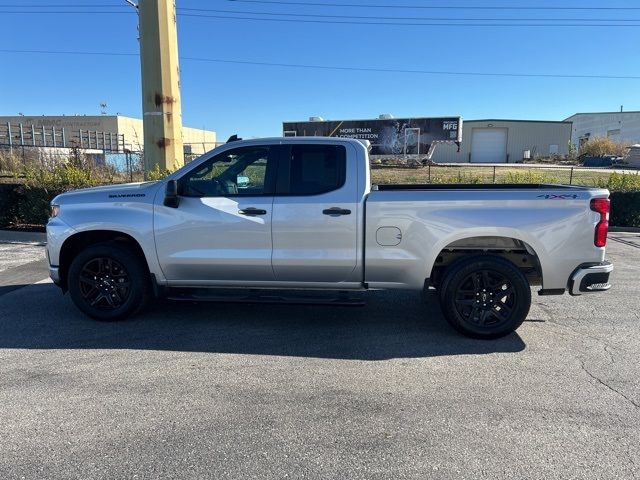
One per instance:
(55,210)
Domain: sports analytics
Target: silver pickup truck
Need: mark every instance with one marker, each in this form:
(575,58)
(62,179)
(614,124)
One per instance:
(301,214)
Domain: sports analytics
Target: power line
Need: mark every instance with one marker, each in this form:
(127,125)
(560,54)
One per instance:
(431,7)
(66,5)
(422,72)
(204,10)
(435,22)
(58,5)
(349,5)
(69,52)
(411,24)
(186,9)
(336,67)
(62,12)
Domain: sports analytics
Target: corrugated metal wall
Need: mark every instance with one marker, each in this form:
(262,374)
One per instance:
(537,137)
(622,127)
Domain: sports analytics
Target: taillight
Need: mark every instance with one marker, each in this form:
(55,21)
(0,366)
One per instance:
(601,206)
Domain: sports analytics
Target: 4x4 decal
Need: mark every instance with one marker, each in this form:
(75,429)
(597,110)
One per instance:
(564,196)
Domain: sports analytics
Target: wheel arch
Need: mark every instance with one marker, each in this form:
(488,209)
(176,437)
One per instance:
(525,253)
(81,240)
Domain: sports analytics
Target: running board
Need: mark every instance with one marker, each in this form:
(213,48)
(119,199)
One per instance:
(256,296)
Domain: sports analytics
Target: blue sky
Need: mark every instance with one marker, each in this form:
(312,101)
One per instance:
(253,100)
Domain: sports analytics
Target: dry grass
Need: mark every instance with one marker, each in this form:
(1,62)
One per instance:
(600,146)
(483,175)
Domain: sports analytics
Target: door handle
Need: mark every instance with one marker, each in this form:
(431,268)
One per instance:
(252,211)
(336,211)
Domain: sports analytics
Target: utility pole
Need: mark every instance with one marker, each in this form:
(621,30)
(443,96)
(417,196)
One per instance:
(162,118)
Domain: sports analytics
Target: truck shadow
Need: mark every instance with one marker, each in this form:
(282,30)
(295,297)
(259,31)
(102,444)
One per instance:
(391,325)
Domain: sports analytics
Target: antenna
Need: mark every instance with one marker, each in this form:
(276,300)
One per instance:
(103,108)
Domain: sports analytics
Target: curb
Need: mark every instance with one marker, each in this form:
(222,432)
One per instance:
(11,236)
(625,229)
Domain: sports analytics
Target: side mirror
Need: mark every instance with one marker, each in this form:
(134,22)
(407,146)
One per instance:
(171,198)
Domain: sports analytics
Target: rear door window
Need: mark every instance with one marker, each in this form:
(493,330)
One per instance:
(312,169)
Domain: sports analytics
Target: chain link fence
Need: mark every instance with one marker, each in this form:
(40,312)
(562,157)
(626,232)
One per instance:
(129,166)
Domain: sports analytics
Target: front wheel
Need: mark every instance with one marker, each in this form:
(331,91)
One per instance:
(485,296)
(108,281)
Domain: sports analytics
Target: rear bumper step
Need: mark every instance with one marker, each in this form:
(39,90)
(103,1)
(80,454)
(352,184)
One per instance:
(591,279)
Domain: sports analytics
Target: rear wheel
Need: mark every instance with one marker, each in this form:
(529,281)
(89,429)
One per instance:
(485,296)
(108,281)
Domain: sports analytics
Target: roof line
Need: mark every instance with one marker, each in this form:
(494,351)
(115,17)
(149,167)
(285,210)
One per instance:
(602,113)
(513,120)
(448,117)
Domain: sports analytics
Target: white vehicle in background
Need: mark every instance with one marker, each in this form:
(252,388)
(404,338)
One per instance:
(300,213)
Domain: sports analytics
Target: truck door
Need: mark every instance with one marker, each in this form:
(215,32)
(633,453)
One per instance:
(314,219)
(221,229)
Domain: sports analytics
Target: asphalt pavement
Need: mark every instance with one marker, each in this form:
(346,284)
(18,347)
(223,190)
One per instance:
(387,390)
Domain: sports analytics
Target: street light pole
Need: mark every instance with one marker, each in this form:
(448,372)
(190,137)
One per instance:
(162,118)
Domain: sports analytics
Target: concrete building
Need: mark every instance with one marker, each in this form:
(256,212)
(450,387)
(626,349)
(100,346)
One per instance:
(619,126)
(196,141)
(507,141)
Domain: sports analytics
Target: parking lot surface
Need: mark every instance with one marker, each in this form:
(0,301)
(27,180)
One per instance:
(388,390)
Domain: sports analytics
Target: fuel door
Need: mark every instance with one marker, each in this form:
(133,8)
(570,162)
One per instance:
(388,236)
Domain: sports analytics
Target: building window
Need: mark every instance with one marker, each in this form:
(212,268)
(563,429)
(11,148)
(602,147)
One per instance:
(553,149)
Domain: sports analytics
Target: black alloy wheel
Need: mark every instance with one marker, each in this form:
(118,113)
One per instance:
(108,281)
(104,283)
(485,296)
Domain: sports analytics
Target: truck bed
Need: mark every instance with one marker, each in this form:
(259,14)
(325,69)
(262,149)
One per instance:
(555,223)
(474,186)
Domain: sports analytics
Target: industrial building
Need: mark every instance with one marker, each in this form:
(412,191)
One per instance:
(619,126)
(196,141)
(507,141)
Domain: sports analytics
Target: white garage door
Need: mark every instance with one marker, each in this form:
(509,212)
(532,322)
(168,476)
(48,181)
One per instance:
(489,145)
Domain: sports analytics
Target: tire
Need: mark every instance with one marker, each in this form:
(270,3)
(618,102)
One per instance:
(108,281)
(485,296)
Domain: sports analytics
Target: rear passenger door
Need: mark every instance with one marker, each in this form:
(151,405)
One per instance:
(314,220)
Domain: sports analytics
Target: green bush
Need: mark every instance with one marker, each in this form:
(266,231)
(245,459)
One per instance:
(157,173)
(625,209)
(10,199)
(42,185)
(28,203)
(620,182)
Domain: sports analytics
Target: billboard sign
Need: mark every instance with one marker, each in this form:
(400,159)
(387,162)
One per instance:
(394,136)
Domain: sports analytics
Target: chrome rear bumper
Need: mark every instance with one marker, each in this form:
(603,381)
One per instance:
(590,279)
